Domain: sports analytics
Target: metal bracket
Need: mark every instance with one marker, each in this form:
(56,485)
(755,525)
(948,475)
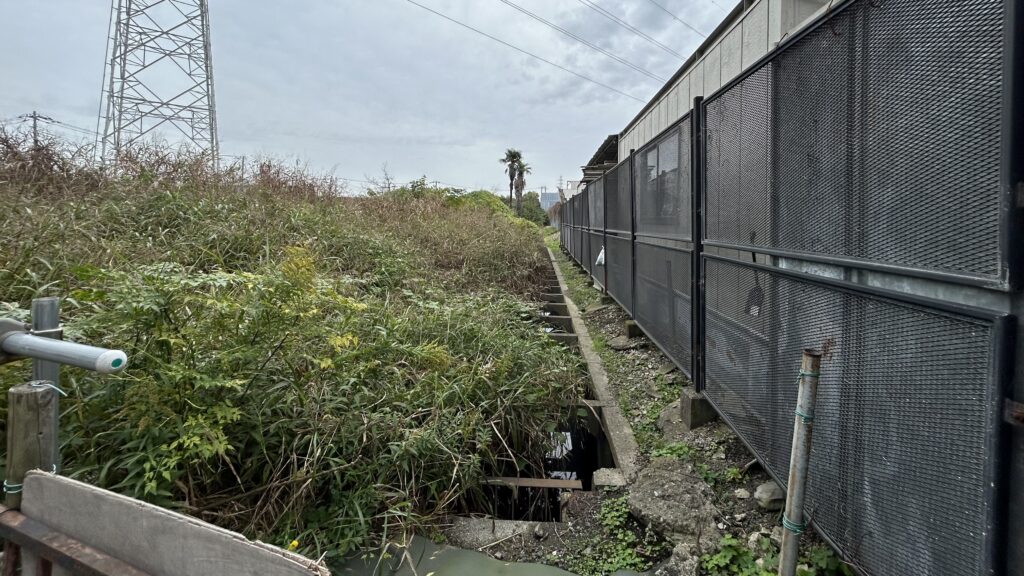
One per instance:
(1013,412)
(55,333)
(9,326)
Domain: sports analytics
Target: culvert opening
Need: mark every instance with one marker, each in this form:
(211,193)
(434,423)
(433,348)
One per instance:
(579,448)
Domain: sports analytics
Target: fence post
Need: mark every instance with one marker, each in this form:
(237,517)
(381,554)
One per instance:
(793,517)
(632,234)
(697,235)
(31,435)
(46,323)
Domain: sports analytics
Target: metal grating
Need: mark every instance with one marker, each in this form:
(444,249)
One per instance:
(619,260)
(866,138)
(663,299)
(905,421)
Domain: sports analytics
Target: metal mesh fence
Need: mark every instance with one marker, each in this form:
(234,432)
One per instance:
(873,140)
(585,260)
(663,305)
(865,139)
(619,260)
(905,418)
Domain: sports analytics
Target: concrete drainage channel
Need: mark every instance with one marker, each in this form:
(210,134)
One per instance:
(596,447)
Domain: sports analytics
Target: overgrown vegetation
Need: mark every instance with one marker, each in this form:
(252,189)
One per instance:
(622,545)
(761,558)
(304,366)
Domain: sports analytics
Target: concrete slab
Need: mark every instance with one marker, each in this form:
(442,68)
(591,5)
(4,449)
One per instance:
(422,557)
(608,477)
(155,540)
(569,340)
(480,533)
(562,322)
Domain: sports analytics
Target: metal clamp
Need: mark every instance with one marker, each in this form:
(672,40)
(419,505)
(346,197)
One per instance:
(10,326)
(1013,412)
(56,333)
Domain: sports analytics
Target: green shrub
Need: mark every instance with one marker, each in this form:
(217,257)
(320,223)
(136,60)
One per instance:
(335,371)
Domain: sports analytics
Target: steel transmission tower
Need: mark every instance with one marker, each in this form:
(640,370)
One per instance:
(159,79)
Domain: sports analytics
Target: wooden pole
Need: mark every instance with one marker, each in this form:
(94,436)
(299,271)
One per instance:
(31,432)
(793,518)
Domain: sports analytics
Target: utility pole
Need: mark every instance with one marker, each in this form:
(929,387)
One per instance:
(159,77)
(35,130)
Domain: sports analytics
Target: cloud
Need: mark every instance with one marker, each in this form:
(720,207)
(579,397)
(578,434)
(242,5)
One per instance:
(354,84)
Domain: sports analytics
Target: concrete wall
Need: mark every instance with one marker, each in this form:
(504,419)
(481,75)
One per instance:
(757,31)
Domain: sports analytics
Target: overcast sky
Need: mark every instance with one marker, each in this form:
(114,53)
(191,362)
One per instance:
(349,85)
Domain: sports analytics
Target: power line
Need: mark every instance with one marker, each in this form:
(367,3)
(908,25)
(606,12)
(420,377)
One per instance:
(532,55)
(677,18)
(719,5)
(627,26)
(69,126)
(584,41)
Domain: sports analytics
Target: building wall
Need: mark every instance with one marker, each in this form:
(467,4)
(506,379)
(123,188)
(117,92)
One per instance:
(759,28)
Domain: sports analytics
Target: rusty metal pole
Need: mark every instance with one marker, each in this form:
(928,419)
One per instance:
(793,517)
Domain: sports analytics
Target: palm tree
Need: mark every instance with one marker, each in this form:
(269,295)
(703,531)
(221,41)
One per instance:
(521,171)
(511,161)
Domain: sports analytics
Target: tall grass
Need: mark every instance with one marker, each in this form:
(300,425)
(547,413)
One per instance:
(303,365)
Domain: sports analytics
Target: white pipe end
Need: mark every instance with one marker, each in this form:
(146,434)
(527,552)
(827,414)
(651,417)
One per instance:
(111,362)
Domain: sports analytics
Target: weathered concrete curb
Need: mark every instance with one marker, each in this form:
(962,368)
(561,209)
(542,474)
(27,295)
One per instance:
(625,450)
(482,533)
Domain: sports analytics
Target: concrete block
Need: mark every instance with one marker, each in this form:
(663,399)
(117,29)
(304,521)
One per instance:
(567,339)
(685,102)
(632,329)
(696,410)
(732,56)
(608,477)
(552,297)
(564,323)
(154,540)
(713,68)
(555,308)
(755,34)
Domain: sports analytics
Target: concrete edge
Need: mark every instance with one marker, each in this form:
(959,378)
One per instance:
(625,450)
(481,533)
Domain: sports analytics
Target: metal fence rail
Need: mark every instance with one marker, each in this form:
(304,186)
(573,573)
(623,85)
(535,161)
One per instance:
(857,191)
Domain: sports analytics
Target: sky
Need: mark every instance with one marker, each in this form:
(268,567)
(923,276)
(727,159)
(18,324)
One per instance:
(351,86)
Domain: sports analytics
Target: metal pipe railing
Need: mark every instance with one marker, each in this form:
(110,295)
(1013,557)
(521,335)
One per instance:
(26,345)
